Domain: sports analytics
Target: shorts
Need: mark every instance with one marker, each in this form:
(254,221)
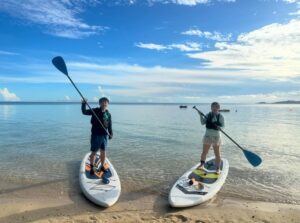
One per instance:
(98,142)
(212,140)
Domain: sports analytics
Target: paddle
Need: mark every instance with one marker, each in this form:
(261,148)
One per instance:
(254,159)
(60,64)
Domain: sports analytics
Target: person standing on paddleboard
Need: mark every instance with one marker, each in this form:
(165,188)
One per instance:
(99,133)
(212,137)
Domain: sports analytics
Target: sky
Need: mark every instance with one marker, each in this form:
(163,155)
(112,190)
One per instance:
(193,51)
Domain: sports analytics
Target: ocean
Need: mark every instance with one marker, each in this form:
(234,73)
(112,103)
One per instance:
(153,145)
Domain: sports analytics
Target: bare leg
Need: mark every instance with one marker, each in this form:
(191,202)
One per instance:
(204,154)
(92,162)
(102,156)
(92,158)
(218,157)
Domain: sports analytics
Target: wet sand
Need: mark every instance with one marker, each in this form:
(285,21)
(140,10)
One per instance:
(62,201)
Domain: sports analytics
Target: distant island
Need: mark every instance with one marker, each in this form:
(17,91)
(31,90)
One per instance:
(287,102)
(281,102)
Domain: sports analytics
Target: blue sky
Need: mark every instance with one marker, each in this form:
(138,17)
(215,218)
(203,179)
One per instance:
(151,51)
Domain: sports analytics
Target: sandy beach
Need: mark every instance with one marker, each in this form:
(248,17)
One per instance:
(62,201)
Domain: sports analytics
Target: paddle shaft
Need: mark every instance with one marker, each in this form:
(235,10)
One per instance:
(88,105)
(220,129)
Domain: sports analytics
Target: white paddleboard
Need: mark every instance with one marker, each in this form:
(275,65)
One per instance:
(94,189)
(183,194)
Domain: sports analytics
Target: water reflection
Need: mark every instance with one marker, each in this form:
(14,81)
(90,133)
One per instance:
(7,111)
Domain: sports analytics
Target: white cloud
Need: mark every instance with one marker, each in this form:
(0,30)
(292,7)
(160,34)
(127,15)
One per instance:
(290,1)
(190,2)
(101,95)
(295,13)
(217,36)
(67,98)
(271,97)
(152,2)
(59,17)
(133,80)
(193,32)
(268,97)
(298,11)
(8,53)
(187,47)
(8,96)
(190,46)
(272,51)
(95,99)
(101,91)
(151,46)
(187,2)
(71,33)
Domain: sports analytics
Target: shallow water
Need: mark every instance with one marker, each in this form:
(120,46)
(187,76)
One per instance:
(153,145)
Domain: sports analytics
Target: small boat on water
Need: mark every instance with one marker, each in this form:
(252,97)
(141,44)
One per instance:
(224,110)
(183,106)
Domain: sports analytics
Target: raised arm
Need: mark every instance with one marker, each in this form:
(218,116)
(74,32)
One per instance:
(84,110)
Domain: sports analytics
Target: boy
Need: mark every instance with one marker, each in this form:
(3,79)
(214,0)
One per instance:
(213,121)
(99,132)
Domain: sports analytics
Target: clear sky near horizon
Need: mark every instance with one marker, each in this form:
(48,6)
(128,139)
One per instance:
(151,51)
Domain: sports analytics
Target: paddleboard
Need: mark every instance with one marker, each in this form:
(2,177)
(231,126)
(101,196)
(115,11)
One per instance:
(183,194)
(92,186)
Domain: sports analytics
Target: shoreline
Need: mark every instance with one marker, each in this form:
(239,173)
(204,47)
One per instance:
(58,201)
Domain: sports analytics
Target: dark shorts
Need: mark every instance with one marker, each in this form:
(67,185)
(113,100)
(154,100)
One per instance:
(98,142)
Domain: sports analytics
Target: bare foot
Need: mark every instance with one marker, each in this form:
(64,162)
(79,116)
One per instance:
(200,167)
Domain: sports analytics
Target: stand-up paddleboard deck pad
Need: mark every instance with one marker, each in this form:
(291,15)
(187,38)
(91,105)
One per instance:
(183,194)
(92,186)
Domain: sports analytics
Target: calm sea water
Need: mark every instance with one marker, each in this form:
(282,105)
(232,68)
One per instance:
(153,145)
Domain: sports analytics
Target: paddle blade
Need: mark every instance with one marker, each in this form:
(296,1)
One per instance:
(60,64)
(254,159)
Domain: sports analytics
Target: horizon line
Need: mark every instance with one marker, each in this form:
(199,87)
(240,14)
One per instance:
(95,102)
(158,103)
